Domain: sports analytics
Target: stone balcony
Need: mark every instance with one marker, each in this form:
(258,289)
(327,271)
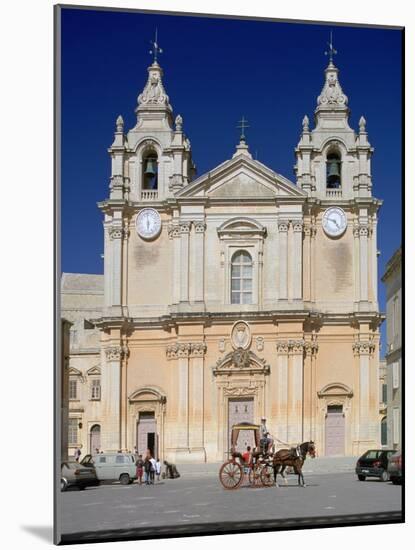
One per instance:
(149,194)
(333,193)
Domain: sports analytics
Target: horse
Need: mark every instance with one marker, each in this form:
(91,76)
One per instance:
(286,457)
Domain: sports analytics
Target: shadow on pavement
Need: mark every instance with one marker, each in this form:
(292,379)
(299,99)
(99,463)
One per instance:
(43,532)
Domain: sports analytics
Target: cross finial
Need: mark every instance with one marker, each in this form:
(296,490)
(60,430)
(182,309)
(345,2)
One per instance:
(243,124)
(156,48)
(331,51)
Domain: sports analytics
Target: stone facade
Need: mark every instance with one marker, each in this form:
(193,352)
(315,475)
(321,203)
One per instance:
(393,281)
(63,383)
(82,297)
(241,303)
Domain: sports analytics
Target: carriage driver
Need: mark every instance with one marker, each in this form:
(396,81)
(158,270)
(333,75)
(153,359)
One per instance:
(265,436)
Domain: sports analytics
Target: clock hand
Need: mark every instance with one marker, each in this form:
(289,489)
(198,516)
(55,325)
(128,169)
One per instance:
(334,221)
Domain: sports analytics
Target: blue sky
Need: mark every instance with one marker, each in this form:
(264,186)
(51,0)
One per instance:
(217,70)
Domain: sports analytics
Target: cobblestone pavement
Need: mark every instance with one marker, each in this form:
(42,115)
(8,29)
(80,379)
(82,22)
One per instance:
(194,500)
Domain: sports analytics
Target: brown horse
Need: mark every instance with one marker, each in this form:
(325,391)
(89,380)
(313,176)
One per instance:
(289,457)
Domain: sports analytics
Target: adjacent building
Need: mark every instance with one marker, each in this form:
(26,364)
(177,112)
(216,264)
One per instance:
(393,281)
(232,295)
(82,297)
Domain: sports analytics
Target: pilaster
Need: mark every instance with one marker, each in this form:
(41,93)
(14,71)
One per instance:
(184,260)
(198,267)
(363,349)
(283,226)
(295,391)
(111,397)
(174,235)
(282,396)
(297,255)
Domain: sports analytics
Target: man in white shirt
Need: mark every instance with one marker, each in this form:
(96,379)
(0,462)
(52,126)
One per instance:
(153,469)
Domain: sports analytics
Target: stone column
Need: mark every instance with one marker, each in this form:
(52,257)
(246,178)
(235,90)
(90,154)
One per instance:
(111,398)
(184,261)
(174,235)
(196,401)
(283,259)
(363,235)
(116,234)
(374,261)
(198,267)
(124,289)
(363,348)
(307,264)
(107,265)
(356,263)
(297,263)
(282,395)
(183,396)
(295,391)
(310,392)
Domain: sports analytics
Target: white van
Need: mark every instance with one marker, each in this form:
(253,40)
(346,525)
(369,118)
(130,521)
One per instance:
(112,466)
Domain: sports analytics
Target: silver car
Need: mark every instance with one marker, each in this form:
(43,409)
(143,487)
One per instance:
(113,466)
(74,474)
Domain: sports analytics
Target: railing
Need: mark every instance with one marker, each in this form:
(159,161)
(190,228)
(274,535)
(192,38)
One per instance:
(149,195)
(333,193)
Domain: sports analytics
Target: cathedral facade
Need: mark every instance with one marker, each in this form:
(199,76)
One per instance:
(237,294)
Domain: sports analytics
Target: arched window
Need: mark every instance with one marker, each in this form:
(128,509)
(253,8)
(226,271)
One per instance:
(241,278)
(384,431)
(150,171)
(333,171)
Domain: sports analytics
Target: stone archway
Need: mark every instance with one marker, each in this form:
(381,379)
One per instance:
(148,404)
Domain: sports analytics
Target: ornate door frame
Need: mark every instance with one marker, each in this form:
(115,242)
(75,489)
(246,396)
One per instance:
(241,373)
(147,399)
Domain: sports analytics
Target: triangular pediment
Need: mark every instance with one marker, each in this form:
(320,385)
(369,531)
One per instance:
(241,177)
(94,371)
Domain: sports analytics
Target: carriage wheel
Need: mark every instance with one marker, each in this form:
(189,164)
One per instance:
(255,474)
(267,475)
(231,475)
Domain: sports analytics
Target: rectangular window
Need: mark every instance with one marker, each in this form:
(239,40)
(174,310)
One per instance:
(395,375)
(96,389)
(73,389)
(73,431)
(396,427)
(384,393)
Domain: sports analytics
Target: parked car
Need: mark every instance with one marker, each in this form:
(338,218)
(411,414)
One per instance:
(112,466)
(74,474)
(374,463)
(395,468)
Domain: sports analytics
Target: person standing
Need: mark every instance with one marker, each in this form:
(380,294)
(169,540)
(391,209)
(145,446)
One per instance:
(77,454)
(147,470)
(140,467)
(153,469)
(158,469)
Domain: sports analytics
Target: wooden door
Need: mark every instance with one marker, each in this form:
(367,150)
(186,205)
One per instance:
(95,439)
(335,431)
(147,434)
(241,410)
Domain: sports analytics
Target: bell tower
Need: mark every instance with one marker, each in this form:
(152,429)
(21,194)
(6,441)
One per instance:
(153,159)
(333,162)
(334,168)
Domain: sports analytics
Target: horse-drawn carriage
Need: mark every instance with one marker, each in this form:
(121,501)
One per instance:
(258,468)
(261,466)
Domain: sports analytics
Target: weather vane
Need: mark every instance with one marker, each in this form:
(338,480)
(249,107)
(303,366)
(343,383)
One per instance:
(243,124)
(156,48)
(331,51)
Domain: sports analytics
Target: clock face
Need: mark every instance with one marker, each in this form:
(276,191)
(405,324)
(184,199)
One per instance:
(334,222)
(148,223)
